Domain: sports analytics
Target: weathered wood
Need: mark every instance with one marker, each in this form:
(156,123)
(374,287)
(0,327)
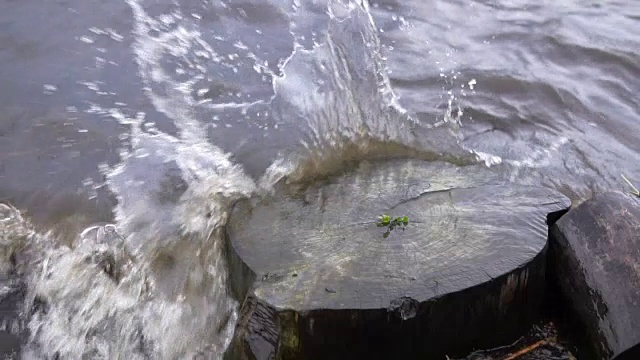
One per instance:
(596,263)
(468,271)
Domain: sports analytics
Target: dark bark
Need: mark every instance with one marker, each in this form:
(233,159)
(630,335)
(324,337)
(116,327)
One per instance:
(596,257)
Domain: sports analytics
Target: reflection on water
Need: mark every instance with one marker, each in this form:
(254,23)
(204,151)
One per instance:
(150,118)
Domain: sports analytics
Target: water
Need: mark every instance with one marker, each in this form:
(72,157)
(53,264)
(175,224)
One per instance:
(128,128)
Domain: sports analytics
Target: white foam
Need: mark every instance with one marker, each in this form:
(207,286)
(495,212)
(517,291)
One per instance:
(173,199)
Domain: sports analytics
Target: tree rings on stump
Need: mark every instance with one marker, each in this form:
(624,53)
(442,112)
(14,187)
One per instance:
(324,282)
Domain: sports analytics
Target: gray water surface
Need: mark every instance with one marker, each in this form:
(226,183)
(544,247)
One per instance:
(156,115)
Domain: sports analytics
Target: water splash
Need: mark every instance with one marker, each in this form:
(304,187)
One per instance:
(159,271)
(338,89)
(154,283)
(164,277)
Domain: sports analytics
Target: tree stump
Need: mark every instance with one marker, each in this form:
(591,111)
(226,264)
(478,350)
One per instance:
(323,282)
(596,265)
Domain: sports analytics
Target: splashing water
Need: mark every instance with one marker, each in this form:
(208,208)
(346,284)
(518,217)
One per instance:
(111,295)
(165,278)
(154,283)
(159,289)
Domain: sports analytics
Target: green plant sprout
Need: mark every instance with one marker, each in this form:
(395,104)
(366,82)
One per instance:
(391,224)
(634,190)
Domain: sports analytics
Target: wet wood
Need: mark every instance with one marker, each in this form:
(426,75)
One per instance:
(468,271)
(596,252)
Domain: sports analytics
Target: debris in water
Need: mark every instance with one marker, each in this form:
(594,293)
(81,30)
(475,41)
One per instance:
(541,343)
(634,190)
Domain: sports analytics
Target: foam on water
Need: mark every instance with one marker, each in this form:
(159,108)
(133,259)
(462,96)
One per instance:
(153,285)
(159,289)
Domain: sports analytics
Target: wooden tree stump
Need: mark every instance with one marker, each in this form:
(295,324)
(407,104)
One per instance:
(596,263)
(323,283)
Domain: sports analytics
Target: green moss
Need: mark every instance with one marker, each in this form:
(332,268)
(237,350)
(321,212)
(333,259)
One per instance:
(289,337)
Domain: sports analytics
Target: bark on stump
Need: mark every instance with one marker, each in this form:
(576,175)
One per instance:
(596,264)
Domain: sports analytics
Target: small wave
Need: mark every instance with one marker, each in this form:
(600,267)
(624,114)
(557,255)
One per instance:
(349,154)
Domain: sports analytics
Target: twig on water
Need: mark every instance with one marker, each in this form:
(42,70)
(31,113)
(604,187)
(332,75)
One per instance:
(634,190)
(526,350)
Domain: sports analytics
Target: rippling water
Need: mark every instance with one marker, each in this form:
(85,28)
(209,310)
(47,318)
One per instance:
(128,128)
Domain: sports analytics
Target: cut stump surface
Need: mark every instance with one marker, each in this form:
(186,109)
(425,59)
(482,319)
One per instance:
(470,258)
